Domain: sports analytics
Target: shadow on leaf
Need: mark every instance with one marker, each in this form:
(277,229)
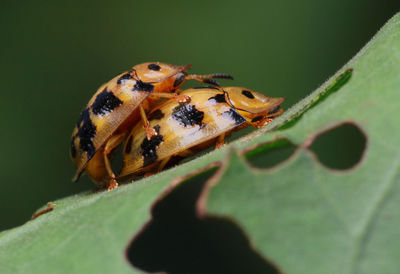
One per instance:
(176,240)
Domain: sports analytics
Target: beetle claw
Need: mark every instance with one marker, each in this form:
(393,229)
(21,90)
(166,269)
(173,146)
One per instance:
(148,174)
(150,132)
(182,98)
(262,122)
(218,145)
(112,185)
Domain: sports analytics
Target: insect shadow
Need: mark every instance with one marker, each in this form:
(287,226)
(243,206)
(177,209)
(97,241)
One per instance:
(176,240)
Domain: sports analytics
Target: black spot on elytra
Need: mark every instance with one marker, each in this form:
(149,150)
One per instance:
(80,119)
(156,115)
(128,146)
(86,133)
(149,147)
(142,86)
(124,77)
(235,116)
(105,102)
(258,118)
(180,77)
(187,115)
(274,110)
(73,148)
(219,98)
(248,94)
(154,67)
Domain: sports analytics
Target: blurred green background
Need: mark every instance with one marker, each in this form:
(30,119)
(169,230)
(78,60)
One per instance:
(55,54)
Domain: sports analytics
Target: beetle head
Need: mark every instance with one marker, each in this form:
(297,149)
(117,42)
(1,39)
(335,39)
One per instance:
(252,104)
(164,76)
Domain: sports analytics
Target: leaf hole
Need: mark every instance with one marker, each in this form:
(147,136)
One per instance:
(341,147)
(176,240)
(337,84)
(270,154)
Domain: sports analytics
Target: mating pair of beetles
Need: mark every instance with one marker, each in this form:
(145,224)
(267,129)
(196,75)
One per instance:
(127,110)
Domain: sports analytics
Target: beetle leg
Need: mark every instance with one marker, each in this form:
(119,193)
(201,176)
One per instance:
(185,153)
(263,120)
(148,174)
(261,123)
(208,78)
(242,126)
(150,132)
(163,163)
(112,143)
(175,96)
(221,141)
(160,167)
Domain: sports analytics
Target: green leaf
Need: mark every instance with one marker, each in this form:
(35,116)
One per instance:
(307,218)
(299,215)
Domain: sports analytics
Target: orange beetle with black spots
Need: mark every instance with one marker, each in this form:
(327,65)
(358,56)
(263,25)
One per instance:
(117,106)
(188,127)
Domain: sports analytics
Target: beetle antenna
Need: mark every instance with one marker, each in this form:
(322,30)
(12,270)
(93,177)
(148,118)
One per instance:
(219,76)
(211,82)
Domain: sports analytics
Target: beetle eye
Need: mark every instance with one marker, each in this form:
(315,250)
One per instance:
(274,110)
(180,77)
